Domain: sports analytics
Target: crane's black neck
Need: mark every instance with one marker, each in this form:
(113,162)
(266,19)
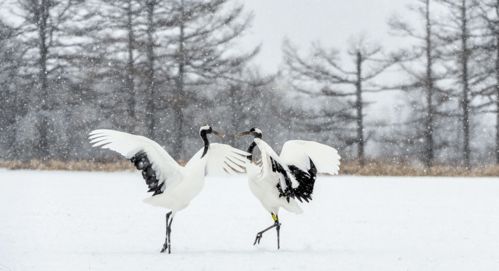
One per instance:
(250,150)
(204,136)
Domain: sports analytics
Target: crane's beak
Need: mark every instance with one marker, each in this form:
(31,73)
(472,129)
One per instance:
(243,134)
(219,134)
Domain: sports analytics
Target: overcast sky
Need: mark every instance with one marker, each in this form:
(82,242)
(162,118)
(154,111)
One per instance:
(330,21)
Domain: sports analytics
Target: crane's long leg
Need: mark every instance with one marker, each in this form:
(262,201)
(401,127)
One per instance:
(278,229)
(276,225)
(167,236)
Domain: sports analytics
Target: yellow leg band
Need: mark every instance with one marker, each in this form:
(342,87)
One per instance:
(274,217)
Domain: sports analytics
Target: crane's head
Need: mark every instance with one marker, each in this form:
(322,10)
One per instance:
(205,130)
(257,133)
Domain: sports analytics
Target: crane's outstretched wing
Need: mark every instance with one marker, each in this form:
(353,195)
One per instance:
(285,179)
(222,159)
(300,152)
(159,169)
(297,167)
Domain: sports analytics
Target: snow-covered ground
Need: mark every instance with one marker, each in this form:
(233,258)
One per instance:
(96,221)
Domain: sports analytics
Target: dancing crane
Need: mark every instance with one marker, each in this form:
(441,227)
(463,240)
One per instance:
(173,186)
(280,180)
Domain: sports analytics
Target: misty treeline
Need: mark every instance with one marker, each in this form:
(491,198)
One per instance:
(163,68)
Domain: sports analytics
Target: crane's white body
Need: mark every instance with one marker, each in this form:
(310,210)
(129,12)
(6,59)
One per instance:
(181,183)
(262,184)
(179,196)
(263,181)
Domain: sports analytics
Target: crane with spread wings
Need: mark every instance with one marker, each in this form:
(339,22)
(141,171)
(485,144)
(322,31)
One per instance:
(172,186)
(279,181)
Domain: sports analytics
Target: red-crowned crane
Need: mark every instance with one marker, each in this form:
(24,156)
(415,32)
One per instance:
(280,180)
(173,186)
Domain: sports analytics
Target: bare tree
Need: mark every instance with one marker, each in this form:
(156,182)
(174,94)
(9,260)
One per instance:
(154,28)
(47,35)
(11,94)
(204,33)
(151,9)
(130,66)
(325,70)
(113,29)
(249,103)
(419,62)
(489,13)
(459,34)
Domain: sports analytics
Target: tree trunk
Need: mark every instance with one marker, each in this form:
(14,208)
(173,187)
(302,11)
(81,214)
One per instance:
(42,104)
(497,82)
(130,68)
(465,103)
(358,106)
(235,112)
(179,95)
(150,109)
(428,129)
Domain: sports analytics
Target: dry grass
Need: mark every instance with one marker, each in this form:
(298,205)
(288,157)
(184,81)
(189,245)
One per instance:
(372,168)
(69,165)
(375,168)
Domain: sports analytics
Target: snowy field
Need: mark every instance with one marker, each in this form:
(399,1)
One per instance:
(96,221)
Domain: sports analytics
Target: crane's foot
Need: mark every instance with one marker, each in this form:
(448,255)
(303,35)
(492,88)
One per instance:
(276,225)
(167,244)
(258,238)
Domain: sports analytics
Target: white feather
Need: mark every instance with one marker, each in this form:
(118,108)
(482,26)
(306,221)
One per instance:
(267,153)
(297,152)
(263,180)
(166,168)
(222,159)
